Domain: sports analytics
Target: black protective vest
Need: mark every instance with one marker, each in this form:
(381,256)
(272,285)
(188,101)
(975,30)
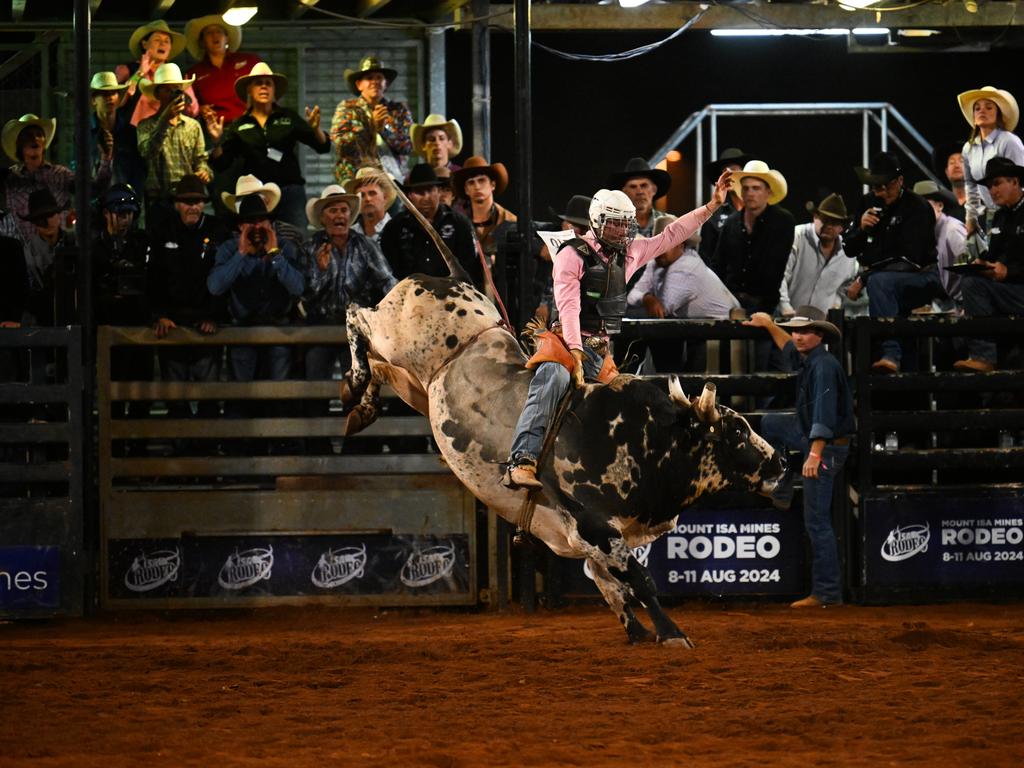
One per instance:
(602,289)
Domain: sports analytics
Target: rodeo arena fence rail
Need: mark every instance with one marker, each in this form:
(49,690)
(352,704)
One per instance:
(269,503)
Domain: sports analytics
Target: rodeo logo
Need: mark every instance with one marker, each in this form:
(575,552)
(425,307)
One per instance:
(426,566)
(152,570)
(641,553)
(243,569)
(903,543)
(339,566)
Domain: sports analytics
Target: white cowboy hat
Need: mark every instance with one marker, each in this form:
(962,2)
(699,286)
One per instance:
(194,32)
(376,175)
(260,70)
(135,41)
(250,185)
(332,193)
(1002,99)
(759,170)
(451,127)
(13,128)
(166,74)
(106,81)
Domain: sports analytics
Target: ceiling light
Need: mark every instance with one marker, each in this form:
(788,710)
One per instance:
(855,5)
(870,30)
(631,3)
(239,15)
(779,32)
(918,32)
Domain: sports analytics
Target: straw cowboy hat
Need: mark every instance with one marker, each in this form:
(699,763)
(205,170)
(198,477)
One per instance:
(260,70)
(140,34)
(250,185)
(809,318)
(932,191)
(832,207)
(759,170)
(376,176)
(637,168)
(13,129)
(1002,99)
(885,166)
(366,66)
(104,82)
(333,193)
(451,127)
(166,74)
(194,34)
(477,166)
(730,156)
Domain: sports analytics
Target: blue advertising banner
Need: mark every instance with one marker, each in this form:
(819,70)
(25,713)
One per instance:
(930,540)
(29,577)
(721,552)
(288,565)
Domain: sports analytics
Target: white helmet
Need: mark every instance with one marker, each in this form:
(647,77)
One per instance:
(612,205)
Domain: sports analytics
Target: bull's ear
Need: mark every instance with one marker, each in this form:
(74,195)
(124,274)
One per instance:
(675,392)
(705,407)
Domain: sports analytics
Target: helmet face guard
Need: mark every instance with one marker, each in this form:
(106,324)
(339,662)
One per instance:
(613,218)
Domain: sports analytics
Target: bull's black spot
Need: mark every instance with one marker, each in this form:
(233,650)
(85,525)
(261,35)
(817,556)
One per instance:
(461,313)
(449,306)
(452,341)
(478,311)
(419,292)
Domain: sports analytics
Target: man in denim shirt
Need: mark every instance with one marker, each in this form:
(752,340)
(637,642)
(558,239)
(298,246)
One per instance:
(819,431)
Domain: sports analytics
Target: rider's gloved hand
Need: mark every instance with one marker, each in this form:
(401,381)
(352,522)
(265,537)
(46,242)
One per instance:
(577,372)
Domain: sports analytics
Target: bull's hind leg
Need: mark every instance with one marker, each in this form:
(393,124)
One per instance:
(359,375)
(642,585)
(616,594)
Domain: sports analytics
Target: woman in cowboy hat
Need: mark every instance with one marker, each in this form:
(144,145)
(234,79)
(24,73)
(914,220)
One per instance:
(992,114)
(263,140)
(25,142)
(369,129)
(154,44)
(115,143)
(214,45)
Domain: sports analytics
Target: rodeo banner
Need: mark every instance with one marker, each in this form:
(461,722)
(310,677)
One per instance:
(915,541)
(721,552)
(288,565)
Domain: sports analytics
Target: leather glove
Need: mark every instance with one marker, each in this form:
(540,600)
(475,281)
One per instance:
(577,372)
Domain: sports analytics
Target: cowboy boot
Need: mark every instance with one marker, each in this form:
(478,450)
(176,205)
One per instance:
(523,474)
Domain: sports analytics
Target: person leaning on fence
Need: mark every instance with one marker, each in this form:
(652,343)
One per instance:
(894,240)
(25,142)
(820,431)
(590,275)
(184,247)
(999,289)
(950,239)
(47,250)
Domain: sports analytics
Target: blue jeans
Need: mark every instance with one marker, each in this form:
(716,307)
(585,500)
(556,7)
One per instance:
(986,298)
(894,294)
(549,383)
(784,433)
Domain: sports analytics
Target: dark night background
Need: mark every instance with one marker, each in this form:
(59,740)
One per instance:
(590,118)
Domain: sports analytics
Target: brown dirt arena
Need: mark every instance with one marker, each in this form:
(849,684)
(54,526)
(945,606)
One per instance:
(851,686)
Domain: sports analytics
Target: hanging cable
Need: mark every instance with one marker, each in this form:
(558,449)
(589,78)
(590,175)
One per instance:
(623,55)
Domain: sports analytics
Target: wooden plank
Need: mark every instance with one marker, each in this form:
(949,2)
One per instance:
(270,334)
(955,458)
(229,390)
(943,421)
(35,433)
(946,381)
(34,393)
(387,463)
(226,428)
(36,337)
(51,472)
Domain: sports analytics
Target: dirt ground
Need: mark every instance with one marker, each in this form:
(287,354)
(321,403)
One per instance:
(767,685)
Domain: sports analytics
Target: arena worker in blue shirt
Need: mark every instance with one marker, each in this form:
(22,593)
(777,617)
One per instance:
(820,431)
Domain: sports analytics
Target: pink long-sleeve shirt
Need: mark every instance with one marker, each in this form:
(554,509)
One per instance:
(569,267)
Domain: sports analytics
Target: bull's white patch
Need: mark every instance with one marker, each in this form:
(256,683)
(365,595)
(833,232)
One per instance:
(339,566)
(904,542)
(426,566)
(623,473)
(243,569)
(154,569)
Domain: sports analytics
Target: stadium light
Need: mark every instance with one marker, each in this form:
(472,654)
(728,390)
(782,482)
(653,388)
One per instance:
(239,15)
(631,3)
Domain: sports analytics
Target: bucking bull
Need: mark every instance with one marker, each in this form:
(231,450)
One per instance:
(626,460)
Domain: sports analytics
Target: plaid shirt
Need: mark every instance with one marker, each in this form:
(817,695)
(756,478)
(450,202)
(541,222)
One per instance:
(357,144)
(361,275)
(171,150)
(21,183)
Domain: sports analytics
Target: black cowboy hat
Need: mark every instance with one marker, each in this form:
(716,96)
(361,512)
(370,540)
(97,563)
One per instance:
(422,175)
(253,208)
(577,211)
(190,189)
(41,205)
(638,168)
(885,167)
(811,318)
(941,153)
(730,156)
(1000,166)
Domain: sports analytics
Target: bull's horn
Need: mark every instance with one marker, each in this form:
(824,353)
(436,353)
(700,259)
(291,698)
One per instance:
(706,410)
(675,392)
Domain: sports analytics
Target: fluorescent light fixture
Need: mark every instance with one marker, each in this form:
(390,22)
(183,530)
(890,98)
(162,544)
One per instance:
(775,32)
(856,5)
(918,32)
(870,30)
(239,15)
(631,3)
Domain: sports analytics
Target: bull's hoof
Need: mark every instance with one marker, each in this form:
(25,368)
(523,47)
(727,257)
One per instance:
(637,633)
(356,422)
(677,642)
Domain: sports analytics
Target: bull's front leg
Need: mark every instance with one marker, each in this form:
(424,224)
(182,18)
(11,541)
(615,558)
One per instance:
(642,585)
(616,595)
(359,375)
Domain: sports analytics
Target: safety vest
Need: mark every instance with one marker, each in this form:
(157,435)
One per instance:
(602,289)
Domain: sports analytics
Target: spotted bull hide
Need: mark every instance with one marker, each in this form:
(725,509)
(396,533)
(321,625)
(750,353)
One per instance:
(627,459)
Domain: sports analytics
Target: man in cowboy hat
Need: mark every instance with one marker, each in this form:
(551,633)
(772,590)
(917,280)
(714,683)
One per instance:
(948,164)
(437,140)
(171,142)
(409,249)
(818,272)
(950,238)
(214,45)
(895,243)
(115,144)
(45,249)
(820,431)
(369,129)
(375,201)
(643,185)
(732,159)
(153,45)
(998,289)
(476,183)
(25,142)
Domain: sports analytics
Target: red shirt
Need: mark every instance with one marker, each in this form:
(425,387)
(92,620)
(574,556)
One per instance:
(216,85)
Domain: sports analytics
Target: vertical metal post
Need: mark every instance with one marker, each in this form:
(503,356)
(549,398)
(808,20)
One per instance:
(436,59)
(713,148)
(524,154)
(698,162)
(481,54)
(885,129)
(865,142)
